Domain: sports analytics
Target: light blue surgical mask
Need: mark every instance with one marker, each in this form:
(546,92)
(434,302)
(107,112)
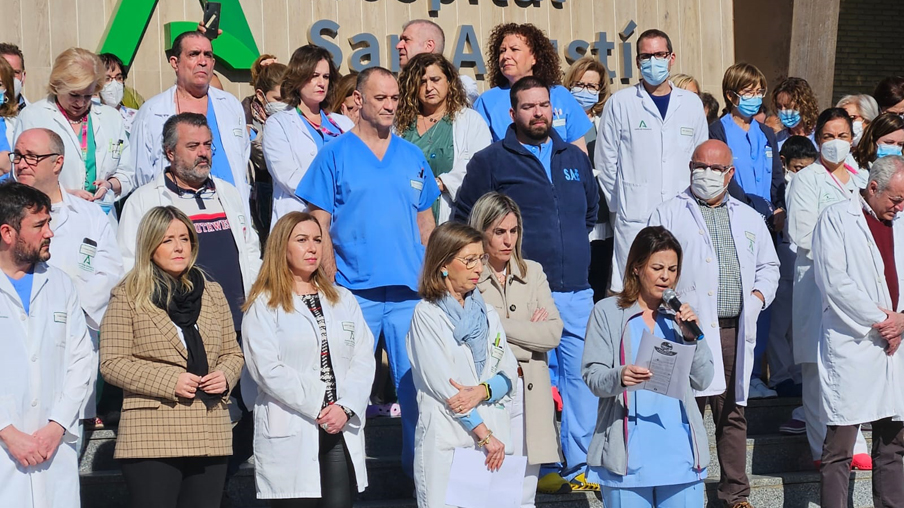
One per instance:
(749,107)
(3,98)
(789,117)
(883,150)
(585,98)
(654,71)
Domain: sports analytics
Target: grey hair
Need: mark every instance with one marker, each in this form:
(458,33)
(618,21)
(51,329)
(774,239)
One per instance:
(439,37)
(491,208)
(884,169)
(56,142)
(170,138)
(869,108)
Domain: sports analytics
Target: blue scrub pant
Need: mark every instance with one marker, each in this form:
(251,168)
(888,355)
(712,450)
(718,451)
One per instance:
(579,405)
(388,310)
(668,496)
(763,324)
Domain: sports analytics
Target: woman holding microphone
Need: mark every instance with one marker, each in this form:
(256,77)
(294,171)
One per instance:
(462,366)
(311,354)
(648,450)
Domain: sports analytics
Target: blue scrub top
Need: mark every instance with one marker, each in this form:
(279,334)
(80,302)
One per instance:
(23,288)
(219,166)
(568,117)
(4,143)
(543,153)
(374,205)
(321,138)
(659,436)
(752,157)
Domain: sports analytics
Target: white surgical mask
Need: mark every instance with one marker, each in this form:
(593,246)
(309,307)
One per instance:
(707,184)
(835,151)
(17,87)
(858,132)
(111,93)
(274,107)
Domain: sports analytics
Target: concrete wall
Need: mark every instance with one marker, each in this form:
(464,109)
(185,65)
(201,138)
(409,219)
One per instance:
(702,30)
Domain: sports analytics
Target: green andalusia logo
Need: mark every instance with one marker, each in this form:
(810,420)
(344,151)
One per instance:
(235,47)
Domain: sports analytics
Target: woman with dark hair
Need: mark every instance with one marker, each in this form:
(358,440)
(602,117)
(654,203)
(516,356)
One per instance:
(114,89)
(647,450)
(515,51)
(463,369)
(889,94)
(9,109)
(293,136)
(797,109)
(310,353)
(343,97)
(883,136)
(826,181)
(433,114)
(169,343)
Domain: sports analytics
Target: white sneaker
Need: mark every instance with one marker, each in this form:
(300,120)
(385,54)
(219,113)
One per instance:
(759,390)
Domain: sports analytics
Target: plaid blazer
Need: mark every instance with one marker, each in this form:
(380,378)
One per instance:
(141,352)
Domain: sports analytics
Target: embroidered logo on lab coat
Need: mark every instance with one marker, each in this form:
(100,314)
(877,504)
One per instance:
(86,253)
(642,126)
(751,238)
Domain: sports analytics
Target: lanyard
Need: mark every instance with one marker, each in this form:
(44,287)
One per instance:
(87,147)
(844,189)
(320,128)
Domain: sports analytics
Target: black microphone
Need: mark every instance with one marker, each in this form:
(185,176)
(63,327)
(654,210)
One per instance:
(670,298)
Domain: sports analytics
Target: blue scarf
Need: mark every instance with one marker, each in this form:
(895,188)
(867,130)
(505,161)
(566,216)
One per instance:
(470,325)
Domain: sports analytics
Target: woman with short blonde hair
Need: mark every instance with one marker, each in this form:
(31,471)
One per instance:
(169,343)
(310,352)
(97,165)
(686,82)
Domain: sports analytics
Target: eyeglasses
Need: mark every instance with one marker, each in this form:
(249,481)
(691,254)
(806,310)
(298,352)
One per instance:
(31,159)
(759,94)
(715,167)
(471,261)
(659,55)
(579,86)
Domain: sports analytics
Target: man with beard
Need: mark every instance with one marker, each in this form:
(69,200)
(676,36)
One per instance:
(552,182)
(47,360)
(229,250)
(84,243)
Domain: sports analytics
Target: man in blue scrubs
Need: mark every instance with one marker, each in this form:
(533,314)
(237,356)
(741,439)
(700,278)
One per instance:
(372,191)
(552,182)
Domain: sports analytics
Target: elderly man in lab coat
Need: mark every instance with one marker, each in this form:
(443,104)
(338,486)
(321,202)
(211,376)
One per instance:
(192,59)
(46,362)
(645,139)
(84,244)
(729,275)
(858,249)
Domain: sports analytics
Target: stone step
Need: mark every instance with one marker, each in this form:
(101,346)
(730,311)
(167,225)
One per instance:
(797,489)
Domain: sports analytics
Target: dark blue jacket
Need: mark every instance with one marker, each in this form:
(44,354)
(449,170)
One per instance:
(557,216)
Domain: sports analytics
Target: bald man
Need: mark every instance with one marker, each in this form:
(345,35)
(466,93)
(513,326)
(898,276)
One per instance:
(729,274)
(424,36)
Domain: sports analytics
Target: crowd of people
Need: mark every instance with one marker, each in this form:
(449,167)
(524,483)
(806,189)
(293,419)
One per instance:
(217,277)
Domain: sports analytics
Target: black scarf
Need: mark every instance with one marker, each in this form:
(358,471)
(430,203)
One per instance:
(183,310)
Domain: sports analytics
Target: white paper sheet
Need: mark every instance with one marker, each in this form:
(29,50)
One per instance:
(670,363)
(471,485)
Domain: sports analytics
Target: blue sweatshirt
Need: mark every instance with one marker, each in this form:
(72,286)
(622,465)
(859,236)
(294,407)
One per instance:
(557,215)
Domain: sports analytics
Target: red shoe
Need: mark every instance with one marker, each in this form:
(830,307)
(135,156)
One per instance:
(862,461)
(557,399)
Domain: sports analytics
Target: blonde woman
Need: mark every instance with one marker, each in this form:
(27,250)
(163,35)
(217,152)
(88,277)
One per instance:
(518,290)
(310,352)
(686,82)
(97,147)
(169,343)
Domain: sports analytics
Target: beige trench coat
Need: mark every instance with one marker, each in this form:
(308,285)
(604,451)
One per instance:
(516,303)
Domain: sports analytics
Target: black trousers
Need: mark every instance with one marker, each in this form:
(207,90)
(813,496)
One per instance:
(888,468)
(338,486)
(180,482)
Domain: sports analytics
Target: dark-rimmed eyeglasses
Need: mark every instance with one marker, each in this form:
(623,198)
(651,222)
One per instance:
(30,159)
(715,167)
(659,55)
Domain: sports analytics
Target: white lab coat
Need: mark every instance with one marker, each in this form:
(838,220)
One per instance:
(812,190)
(699,282)
(155,194)
(643,159)
(282,355)
(147,136)
(44,370)
(470,134)
(113,152)
(288,150)
(858,381)
(435,359)
(94,268)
